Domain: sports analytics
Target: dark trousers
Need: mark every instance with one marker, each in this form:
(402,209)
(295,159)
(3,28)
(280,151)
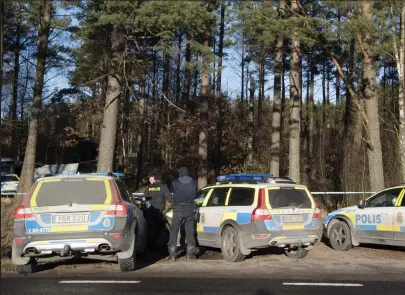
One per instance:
(183,218)
(155,225)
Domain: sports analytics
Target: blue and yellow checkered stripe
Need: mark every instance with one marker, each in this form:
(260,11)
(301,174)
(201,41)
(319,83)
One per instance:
(394,228)
(240,218)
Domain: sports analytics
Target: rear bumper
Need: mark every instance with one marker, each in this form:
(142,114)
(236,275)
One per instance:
(257,236)
(68,244)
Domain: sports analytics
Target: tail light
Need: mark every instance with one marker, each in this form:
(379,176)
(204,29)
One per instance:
(261,212)
(117,209)
(317,213)
(20,213)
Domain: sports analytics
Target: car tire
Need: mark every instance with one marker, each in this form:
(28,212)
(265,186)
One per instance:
(31,267)
(297,252)
(340,237)
(128,264)
(230,245)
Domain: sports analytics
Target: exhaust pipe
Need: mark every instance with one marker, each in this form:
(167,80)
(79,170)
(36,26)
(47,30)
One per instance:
(31,250)
(104,247)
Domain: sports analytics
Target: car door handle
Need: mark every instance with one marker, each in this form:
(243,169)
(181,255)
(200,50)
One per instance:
(217,213)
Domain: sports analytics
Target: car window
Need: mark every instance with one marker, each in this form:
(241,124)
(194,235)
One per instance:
(218,197)
(385,199)
(125,195)
(78,191)
(241,196)
(6,178)
(202,194)
(289,197)
(403,202)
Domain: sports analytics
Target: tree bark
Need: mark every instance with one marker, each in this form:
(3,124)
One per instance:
(178,81)
(275,148)
(204,109)
(242,94)
(27,172)
(295,94)
(141,127)
(114,83)
(187,76)
(251,128)
(400,65)
(374,151)
(219,99)
(14,100)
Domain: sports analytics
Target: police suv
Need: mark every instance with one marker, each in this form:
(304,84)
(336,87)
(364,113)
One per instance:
(246,212)
(379,219)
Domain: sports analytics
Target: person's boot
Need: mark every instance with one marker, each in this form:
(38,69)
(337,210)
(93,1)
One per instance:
(172,253)
(191,253)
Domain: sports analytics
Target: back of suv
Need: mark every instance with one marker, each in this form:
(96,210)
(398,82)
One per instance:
(243,213)
(77,215)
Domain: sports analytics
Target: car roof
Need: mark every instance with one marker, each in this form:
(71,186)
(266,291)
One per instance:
(258,185)
(76,176)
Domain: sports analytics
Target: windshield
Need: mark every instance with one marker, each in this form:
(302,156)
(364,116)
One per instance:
(8,178)
(78,191)
(289,197)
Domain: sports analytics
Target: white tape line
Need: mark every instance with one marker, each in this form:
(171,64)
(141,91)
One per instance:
(99,282)
(324,284)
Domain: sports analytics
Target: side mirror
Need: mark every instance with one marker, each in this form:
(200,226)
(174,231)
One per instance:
(362,204)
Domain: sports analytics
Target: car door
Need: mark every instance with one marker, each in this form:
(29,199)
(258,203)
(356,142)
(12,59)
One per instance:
(375,221)
(211,214)
(399,219)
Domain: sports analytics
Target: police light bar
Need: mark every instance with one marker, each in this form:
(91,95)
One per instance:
(244,177)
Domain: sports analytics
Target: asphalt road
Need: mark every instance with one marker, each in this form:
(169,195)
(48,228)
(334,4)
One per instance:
(166,285)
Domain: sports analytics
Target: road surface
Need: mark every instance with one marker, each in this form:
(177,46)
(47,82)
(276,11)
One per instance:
(360,271)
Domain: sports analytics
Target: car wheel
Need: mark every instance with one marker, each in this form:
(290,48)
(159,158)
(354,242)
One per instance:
(339,236)
(31,267)
(296,252)
(230,247)
(128,264)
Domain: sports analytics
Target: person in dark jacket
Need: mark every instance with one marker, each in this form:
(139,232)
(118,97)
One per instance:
(158,193)
(184,193)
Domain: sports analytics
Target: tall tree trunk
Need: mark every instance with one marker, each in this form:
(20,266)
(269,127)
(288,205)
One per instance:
(295,94)
(204,109)
(187,75)
(141,127)
(165,110)
(374,151)
(243,69)
(27,173)
(109,127)
(14,100)
(1,50)
(251,130)
(275,148)
(219,99)
(261,90)
(178,81)
(311,122)
(400,65)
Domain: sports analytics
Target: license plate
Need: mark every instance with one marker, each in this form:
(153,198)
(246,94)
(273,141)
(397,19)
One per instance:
(71,218)
(292,218)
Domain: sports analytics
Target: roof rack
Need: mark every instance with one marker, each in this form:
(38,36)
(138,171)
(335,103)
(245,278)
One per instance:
(252,178)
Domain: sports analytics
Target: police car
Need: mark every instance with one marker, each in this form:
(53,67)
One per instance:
(9,184)
(77,215)
(246,212)
(379,219)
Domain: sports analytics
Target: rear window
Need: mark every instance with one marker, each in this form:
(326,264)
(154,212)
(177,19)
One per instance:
(241,196)
(7,178)
(79,191)
(289,197)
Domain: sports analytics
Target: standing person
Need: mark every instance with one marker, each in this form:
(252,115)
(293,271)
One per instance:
(158,194)
(184,193)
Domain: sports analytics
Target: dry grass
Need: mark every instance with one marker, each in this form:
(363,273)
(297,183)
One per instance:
(7,211)
(6,265)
